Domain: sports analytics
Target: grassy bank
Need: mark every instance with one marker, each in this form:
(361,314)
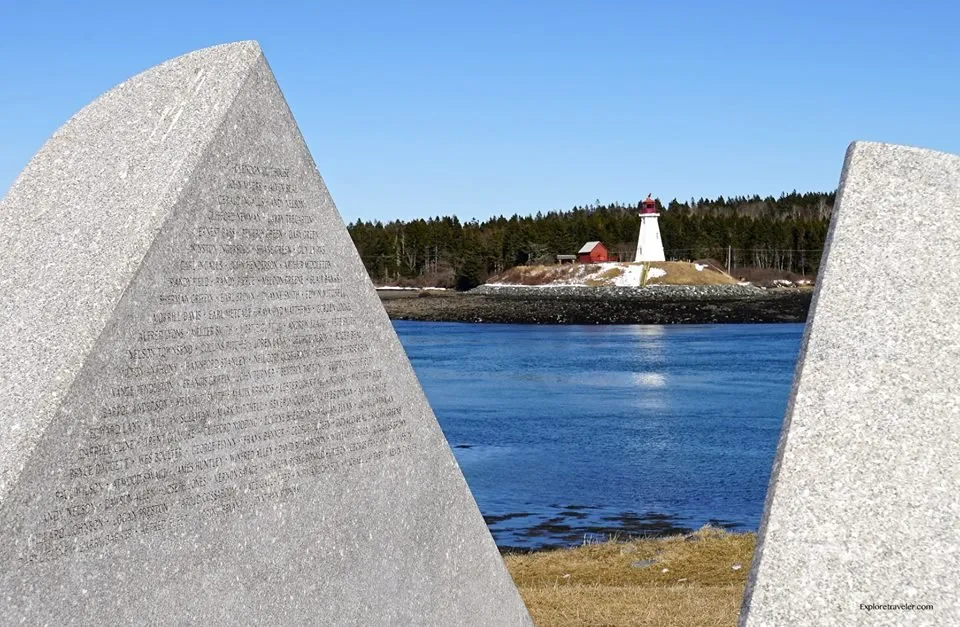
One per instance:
(616,274)
(680,581)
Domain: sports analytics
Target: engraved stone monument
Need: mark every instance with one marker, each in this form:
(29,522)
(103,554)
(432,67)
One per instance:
(205,414)
(862,520)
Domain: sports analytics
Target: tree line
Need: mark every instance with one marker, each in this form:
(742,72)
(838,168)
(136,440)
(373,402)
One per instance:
(785,233)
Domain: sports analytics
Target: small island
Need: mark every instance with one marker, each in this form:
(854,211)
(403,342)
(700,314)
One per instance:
(660,292)
(613,293)
(736,260)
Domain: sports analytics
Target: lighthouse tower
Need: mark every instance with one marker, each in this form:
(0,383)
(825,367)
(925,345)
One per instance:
(649,246)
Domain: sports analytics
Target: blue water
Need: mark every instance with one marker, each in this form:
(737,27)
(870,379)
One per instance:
(567,433)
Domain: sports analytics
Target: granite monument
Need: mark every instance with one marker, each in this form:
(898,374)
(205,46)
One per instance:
(862,519)
(205,413)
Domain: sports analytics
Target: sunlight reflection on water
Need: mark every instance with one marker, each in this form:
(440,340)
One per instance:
(563,431)
(650,379)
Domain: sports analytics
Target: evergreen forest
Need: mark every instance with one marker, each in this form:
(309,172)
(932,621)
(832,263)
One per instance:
(785,234)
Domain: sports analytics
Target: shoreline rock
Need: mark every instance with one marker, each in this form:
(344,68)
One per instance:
(674,304)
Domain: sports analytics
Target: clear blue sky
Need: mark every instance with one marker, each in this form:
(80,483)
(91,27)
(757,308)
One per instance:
(417,109)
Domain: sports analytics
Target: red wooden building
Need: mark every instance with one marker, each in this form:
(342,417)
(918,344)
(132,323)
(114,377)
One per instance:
(592,252)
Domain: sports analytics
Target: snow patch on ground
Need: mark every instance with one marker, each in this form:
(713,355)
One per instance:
(630,278)
(610,273)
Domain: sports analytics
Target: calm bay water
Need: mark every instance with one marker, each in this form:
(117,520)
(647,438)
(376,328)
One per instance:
(573,432)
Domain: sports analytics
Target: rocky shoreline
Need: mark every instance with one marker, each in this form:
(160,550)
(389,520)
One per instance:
(674,304)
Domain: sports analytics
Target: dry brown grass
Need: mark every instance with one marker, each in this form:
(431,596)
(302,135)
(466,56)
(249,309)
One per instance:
(678,273)
(597,584)
(612,273)
(760,275)
(685,273)
(539,275)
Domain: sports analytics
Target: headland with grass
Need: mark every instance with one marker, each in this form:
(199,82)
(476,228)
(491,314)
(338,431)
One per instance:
(696,579)
(669,292)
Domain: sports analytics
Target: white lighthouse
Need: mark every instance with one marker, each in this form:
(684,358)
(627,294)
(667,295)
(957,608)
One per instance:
(649,245)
